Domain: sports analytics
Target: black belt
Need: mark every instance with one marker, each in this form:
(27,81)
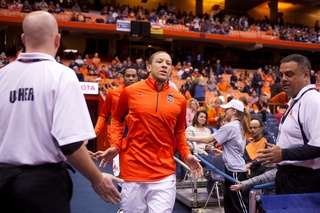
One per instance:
(60,165)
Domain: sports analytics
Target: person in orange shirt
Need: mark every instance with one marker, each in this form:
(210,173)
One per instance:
(110,103)
(87,59)
(185,93)
(265,89)
(96,61)
(118,81)
(268,77)
(222,85)
(15,7)
(84,69)
(108,111)
(214,114)
(155,115)
(262,107)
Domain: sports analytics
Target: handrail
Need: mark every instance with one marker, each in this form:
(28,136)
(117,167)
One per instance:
(260,186)
(182,164)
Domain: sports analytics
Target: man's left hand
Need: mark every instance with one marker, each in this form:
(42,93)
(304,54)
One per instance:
(194,164)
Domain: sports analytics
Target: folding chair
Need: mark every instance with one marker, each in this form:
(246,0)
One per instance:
(219,179)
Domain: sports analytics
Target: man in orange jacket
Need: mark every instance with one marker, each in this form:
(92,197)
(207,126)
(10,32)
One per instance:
(156,117)
(110,105)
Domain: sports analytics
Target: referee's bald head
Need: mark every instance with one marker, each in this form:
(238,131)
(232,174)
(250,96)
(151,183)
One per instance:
(40,33)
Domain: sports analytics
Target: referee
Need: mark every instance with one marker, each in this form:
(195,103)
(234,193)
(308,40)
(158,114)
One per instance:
(44,122)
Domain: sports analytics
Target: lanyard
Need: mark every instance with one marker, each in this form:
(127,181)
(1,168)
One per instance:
(289,109)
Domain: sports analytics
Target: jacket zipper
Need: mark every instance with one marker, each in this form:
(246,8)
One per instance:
(157,101)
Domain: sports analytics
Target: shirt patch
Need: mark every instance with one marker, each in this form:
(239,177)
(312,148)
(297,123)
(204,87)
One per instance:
(170,98)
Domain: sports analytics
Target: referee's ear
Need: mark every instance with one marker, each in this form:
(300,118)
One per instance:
(57,41)
(23,39)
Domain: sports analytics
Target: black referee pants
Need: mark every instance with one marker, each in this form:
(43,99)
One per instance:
(296,179)
(33,189)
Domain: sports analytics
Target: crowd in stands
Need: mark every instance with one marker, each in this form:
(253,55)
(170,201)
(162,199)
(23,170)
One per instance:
(169,15)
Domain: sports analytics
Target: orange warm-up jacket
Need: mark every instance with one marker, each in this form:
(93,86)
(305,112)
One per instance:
(108,110)
(156,128)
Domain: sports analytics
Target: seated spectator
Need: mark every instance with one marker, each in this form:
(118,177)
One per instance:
(222,85)
(214,113)
(26,7)
(84,69)
(110,19)
(216,95)
(265,89)
(3,58)
(234,80)
(185,92)
(256,142)
(73,16)
(140,16)
(88,59)
(262,107)
(269,77)
(58,59)
(3,4)
(211,85)
(43,5)
(124,15)
(81,17)
(76,7)
(79,60)
(200,92)
(246,104)
(91,70)
(193,106)
(51,7)
(186,74)
(15,7)
(253,98)
(58,9)
(196,74)
(198,128)
(78,73)
(142,74)
(104,10)
(103,72)
(72,64)
(118,81)
(96,61)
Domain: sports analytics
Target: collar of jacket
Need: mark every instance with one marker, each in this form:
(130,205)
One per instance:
(154,84)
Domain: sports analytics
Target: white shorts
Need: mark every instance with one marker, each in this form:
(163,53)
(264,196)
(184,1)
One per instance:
(149,197)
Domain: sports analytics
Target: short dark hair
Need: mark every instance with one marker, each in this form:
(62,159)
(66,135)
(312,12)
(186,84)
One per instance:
(129,67)
(302,61)
(195,118)
(154,54)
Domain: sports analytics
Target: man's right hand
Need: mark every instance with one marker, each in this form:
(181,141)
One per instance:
(106,156)
(106,190)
